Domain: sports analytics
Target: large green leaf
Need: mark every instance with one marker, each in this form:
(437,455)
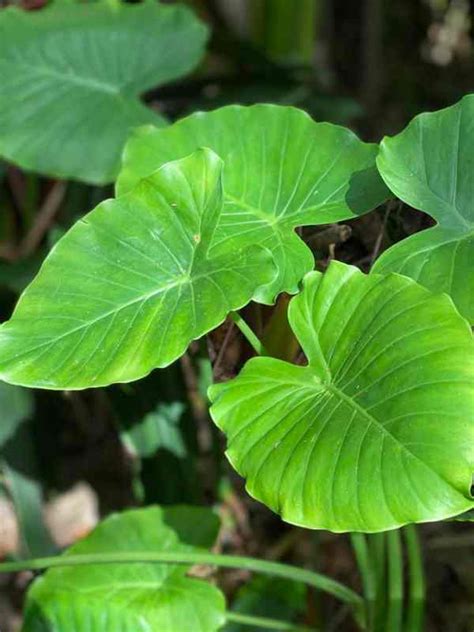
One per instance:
(16,405)
(72,76)
(131,284)
(429,166)
(377,430)
(282,170)
(130,597)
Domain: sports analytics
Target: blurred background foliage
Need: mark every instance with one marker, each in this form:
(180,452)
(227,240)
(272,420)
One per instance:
(69,458)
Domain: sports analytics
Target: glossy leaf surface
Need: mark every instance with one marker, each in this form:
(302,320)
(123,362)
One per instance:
(16,405)
(429,166)
(282,170)
(131,597)
(72,76)
(131,284)
(377,430)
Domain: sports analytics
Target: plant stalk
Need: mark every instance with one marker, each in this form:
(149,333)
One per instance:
(361,551)
(395,582)
(416,595)
(285,34)
(248,334)
(377,551)
(226,561)
(266,623)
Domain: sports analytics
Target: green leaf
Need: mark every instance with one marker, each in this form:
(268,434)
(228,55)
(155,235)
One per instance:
(128,597)
(132,284)
(282,170)
(438,258)
(467,516)
(272,597)
(158,430)
(16,405)
(22,477)
(196,526)
(377,430)
(429,166)
(72,76)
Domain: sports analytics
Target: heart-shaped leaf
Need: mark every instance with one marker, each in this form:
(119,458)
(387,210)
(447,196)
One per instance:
(377,430)
(131,284)
(282,170)
(16,405)
(136,597)
(72,76)
(429,166)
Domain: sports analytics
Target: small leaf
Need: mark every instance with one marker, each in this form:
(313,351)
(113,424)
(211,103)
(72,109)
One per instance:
(377,430)
(132,284)
(22,476)
(281,170)
(429,166)
(16,405)
(135,597)
(158,430)
(72,76)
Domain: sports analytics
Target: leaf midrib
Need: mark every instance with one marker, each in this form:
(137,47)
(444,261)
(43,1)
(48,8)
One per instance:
(337,392)
(185,280)
(334,390)
(143,297)
(280,221)
(270,219)
(73,79)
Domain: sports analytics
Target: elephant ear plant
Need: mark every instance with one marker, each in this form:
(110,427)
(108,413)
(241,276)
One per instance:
(429,166)
(66,108)
(368,429)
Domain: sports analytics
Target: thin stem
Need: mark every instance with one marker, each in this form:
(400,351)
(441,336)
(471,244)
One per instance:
(315,596)
(361,550)
(31,198)
(223,348)
(283,33)
(264,622)
(391,205)
(249,334)
(279,338)
(416,602)
(377,551)
(395,582)
(43,219)
(226,561)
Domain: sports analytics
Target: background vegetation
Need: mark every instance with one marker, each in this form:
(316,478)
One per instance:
(78,456)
